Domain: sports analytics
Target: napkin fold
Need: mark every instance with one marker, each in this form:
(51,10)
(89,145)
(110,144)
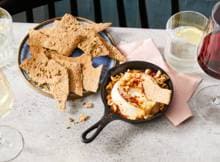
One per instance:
(184,84)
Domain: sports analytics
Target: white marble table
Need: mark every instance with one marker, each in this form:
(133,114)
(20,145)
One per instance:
(48,140)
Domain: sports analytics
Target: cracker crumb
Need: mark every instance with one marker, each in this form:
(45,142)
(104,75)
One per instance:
(71,119)
(83,118)
(88,105)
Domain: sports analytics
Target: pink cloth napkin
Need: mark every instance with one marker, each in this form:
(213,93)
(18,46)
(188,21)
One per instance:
(184,84)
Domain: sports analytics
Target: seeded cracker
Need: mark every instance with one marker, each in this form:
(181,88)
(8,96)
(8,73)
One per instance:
(75,73)
(91,75)
(91,43)
(54,39)
(154,92)
(94,45)
(97,27)
(48,73)
(50,66)
(70,23)
(114,53)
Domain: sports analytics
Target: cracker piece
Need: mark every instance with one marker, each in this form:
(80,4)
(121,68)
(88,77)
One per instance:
(98,27)
(154,92)
(60,90)
(83,118)
(35,50)
(91,75)
(54,39)
(35,37)
(47,72)
(70,23)
(35,67)
(75,73)
(94,45)
(84,59)
(114,53)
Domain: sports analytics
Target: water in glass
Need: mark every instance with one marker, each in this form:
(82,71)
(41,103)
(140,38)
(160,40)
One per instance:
(6,97)
(7,50)
(185,31)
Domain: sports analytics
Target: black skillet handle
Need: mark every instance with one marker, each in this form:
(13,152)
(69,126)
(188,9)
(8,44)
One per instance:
(98,126)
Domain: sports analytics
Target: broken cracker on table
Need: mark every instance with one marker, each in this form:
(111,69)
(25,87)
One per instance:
(83,118)
(68,127)
(71,119)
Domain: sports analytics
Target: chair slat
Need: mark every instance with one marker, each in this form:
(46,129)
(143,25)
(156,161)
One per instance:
(73,7)
(174,6)
(51,9)
(121,13)
(143,13)
(29,15)
(97,11)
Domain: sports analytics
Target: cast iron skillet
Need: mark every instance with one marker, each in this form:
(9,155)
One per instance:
(108,114)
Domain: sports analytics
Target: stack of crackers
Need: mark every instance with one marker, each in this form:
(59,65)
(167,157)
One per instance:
(52,67)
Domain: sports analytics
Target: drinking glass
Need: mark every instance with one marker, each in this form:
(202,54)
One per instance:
(208,98)
(7,48)
(186,29)
(11,140)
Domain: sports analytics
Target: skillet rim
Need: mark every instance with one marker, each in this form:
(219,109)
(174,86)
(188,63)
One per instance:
(141,65)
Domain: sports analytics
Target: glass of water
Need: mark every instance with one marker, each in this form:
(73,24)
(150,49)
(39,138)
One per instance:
(7,48)
(185,29)
(11,140)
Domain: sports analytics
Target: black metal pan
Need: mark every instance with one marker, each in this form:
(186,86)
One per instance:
(109,116)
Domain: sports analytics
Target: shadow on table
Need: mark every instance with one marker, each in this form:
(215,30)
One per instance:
(122,138)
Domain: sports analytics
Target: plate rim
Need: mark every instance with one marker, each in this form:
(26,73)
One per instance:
(43,23)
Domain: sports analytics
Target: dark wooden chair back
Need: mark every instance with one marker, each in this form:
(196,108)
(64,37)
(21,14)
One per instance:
(121,11)
(13,8)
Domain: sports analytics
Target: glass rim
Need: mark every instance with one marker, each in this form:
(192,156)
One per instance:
(184,12)
(214,10)
(22,140)
(6,12)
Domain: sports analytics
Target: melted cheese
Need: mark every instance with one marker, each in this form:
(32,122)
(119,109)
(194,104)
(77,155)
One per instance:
(125,107)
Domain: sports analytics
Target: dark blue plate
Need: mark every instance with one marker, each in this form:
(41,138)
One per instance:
(107,62)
